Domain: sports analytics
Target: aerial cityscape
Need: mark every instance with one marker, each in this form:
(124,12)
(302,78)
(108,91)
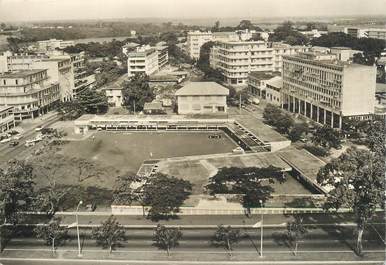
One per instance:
(192,132)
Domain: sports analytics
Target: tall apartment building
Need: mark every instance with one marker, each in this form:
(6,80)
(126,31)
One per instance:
(236,59)
(195,39)
(60,69)
(7,119)
(29,92)
(82,79)
(324,89)
(143,60)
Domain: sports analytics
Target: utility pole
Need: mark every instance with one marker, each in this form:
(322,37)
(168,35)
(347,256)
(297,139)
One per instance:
(261,236)
(77,228)
(134,106)
(240,103)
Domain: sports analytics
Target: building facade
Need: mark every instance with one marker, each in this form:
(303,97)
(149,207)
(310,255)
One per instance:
(82,79)
(29,92)
(52,44)
(236,59)
(114,96)
(194,41)
(324,89)
(163,54)
(7,119)
(144,60)
(266,86)
(202,98)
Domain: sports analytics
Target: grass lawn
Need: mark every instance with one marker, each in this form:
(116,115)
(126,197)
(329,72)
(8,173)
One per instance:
(126,151)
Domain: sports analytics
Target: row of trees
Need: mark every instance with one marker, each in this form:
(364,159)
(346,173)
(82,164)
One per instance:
(111,234)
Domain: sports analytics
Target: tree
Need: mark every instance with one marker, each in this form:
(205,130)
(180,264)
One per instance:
(253,183)
(216,26)
(357,179)
(53,233)
(296,231)
(124,191)
(165,194)
(137,92)
(326,137)
(92,101)
(247,24)
(288,34)
(276,117)
(363,59)
(166,238)
(203,64)
(297,131)
(226,237)
(110,235)
(16,189)
(50,198)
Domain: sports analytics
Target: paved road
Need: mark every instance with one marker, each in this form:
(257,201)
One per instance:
(20,151)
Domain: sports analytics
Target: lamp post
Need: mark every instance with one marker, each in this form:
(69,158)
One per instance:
(77,228)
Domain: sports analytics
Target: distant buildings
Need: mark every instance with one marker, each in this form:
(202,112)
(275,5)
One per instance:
(359,32)
(52,44)
(29,92)
(147,60)
(324,89)
(201,98)
(7,119)
(236,59)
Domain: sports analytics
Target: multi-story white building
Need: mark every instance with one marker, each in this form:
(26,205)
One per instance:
(144,60)
(29,92)
(324,89)
(359,32)
(236,59)
(60,69)
(7,119)
(201,98)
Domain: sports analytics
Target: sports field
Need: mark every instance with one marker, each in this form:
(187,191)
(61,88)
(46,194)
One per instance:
(125,151)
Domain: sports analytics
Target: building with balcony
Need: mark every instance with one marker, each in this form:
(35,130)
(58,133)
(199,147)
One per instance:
(144,60)
(236,59)
(163,54)
(202,98)
(60,69)
(29,92)
(82,79)
(7,119)
(324,89)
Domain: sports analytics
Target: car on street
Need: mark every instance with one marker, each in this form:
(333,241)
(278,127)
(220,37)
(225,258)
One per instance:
(13,143)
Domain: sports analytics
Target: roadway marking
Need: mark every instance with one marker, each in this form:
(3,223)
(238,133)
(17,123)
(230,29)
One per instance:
(198,251)
(194,262)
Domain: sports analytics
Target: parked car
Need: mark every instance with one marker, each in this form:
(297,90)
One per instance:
(17,137)
(29,143)
(38,129)
(13,143)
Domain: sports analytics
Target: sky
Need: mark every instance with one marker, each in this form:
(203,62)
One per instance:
(30,10)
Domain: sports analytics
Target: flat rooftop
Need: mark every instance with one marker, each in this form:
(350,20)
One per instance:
(260,129)
(303,161)
(264,75)
(21,73)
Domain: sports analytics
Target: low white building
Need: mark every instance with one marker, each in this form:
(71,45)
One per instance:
(114,96)
(202,98)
